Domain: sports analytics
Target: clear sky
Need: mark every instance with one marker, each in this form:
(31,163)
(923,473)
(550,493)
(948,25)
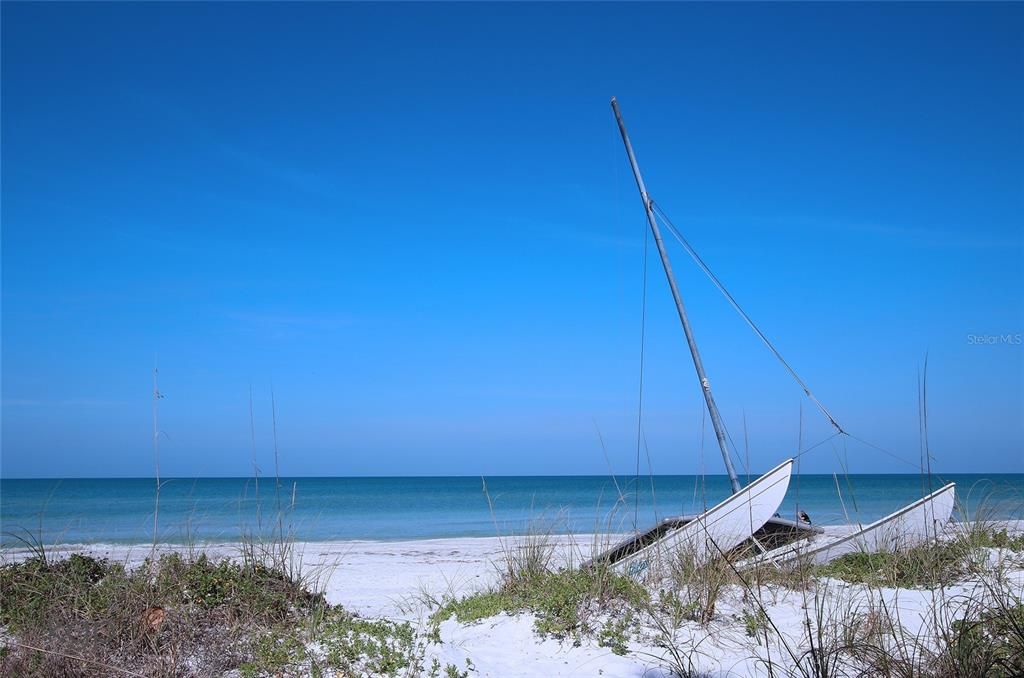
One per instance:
(416,224)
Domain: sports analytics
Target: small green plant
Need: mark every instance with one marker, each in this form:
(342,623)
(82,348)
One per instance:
(379,647)
(672,607)
(990,644)
(562,600)
(452,671)
(927,565)
(754,622)
(993,538)
(275,652)
(614,633)
(700,583)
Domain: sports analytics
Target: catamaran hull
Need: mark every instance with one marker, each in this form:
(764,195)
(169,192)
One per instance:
(716,531)
(910,526)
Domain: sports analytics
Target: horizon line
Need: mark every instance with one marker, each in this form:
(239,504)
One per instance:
(495,475)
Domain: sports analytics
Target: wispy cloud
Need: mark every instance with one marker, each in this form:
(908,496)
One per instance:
(195,128)
(289,175)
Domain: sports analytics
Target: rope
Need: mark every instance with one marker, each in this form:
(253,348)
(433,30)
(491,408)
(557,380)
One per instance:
(721,288)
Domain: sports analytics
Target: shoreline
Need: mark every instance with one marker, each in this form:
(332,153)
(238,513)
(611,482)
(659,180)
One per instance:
(378,578)
(1012,524)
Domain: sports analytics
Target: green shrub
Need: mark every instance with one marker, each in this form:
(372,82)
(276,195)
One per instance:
(921,566)
(561,600)
(990,645)
(222,614)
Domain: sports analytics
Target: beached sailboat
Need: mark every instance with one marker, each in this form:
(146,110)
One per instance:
(910,526)
(714,532)
(747,510)
(750,514)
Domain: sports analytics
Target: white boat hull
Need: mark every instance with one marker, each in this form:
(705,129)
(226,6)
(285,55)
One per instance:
(910,526)
(717,530)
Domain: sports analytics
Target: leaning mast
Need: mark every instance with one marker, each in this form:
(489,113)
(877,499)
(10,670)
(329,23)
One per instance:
(716,418)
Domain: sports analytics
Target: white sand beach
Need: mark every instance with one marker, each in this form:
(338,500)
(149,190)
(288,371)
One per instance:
(394,579)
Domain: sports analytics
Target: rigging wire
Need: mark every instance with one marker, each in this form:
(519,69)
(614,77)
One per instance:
(640,396)
(883,450)
(734,450)
(839,430)
(920,426)
(817,445)
(725,292)
(746,447)
(650,475)
(926,454)
(703,487)
(799,444)
(677,234)
(698,476)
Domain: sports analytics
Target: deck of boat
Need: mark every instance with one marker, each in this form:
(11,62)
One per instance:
(776,532)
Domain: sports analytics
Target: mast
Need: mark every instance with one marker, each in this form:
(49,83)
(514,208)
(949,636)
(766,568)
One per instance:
(716,418)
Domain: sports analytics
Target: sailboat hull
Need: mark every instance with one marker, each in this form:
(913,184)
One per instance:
(910,526)
(714,532)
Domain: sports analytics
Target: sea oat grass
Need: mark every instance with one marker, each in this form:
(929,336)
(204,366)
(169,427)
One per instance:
(699,583)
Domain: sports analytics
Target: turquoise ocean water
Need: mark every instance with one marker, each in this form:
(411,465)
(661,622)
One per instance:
(326,509)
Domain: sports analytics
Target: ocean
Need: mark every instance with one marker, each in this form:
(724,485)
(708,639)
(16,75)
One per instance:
(120,511)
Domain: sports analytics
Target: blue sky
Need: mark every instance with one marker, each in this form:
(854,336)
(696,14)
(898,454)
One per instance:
(416,224)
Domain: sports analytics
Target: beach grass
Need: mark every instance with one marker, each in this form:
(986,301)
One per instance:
(849,624)
(567,603)
(261,614)
(926,565)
